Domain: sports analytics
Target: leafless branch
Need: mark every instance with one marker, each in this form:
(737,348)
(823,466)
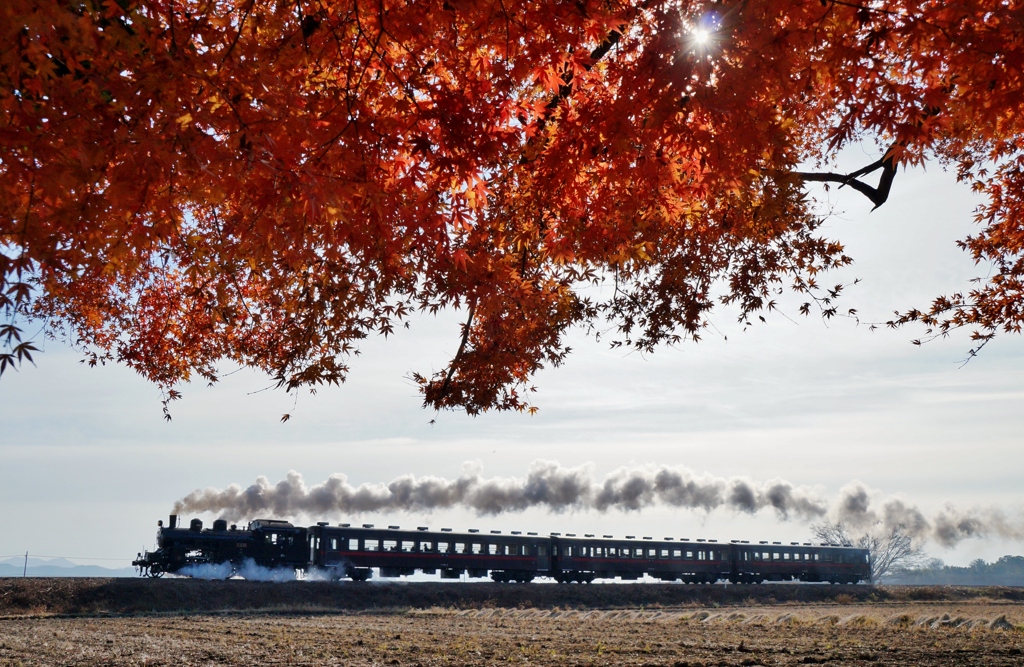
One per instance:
(879,194)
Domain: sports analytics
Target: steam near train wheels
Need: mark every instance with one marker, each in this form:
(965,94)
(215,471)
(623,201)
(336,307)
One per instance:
(512,576)
(155,572)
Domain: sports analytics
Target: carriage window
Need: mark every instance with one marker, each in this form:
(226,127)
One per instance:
(701,555)
(390,545)
(542,550)
(353,544)
(273,538)
(372,545)
(677,553)
(826,557)
(334,544)
(663,554)
(426,546)
(689,555)
(652,553)
(785,555)
(568,551)
(477,547)
(554,550)
(460,547)
(775,555)
(528,550)
(442,547)
(638,552)
(493,549)
(817,557)
(408,546)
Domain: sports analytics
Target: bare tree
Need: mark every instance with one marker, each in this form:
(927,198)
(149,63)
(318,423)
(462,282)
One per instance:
(889,548)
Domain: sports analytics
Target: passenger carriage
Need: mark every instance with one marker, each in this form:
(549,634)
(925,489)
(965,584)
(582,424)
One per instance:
(351,551)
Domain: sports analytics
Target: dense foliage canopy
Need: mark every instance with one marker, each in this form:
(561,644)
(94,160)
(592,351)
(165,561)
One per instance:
(270,181)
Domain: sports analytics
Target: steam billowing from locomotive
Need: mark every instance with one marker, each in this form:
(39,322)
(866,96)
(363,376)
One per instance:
(549,485)
(856,507)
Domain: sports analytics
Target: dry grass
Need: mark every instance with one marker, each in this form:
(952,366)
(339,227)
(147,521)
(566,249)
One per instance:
(841,634)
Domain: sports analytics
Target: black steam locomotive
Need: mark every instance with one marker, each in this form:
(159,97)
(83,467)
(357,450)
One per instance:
(347,551)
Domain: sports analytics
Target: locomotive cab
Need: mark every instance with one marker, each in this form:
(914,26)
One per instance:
(279,544)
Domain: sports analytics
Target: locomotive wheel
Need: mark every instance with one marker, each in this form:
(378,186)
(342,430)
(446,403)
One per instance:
(155,573)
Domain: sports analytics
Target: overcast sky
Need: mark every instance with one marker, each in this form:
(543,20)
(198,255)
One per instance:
(87,465)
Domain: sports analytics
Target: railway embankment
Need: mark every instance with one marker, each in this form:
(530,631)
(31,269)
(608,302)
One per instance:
(93,597)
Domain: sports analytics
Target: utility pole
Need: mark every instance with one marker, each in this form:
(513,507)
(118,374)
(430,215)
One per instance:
(24,571)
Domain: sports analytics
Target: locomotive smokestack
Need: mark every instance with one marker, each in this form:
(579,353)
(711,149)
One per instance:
(172,521)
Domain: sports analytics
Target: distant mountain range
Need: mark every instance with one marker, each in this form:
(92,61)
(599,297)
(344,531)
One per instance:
(60,567)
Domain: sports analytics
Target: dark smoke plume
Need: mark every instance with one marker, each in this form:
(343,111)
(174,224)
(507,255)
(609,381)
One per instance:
(551,486)
(547,485)
(858,509)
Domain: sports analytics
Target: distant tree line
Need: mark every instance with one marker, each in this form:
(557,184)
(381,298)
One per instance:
(1007,571)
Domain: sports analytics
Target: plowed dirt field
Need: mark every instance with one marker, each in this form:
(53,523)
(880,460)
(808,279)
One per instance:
(848,635)
(872,627)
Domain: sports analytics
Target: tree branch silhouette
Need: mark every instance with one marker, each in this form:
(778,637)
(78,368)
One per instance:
(878,194)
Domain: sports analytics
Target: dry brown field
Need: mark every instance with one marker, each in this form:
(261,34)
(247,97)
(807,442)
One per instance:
(861,626)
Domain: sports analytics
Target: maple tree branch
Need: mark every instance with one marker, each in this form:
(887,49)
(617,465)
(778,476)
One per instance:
(599,52)
(241,27)
(458,355)
(565,90)
(879,194)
